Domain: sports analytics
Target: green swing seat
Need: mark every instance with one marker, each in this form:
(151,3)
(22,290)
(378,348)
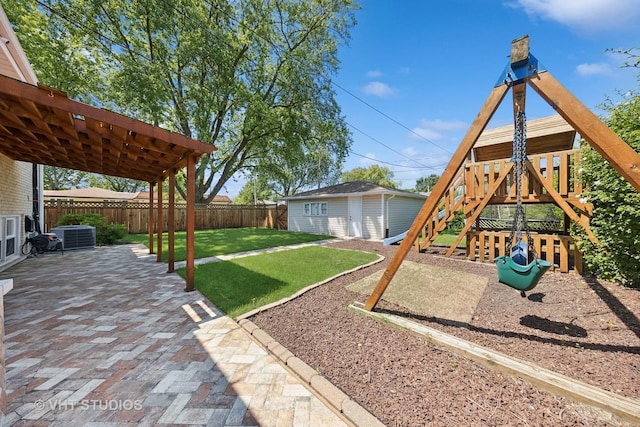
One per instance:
(520,277)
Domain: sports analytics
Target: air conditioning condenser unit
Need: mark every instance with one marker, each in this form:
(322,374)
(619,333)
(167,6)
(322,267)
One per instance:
(76,236)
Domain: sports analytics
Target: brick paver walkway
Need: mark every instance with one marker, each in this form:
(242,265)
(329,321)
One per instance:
(105,337)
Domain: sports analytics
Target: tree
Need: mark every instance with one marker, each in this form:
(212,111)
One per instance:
(254,191)
(315,162)
(59,61)
(425,185)
(61,178)
(375,174)
(116,183)
(633,56)
(616,217)
(245,76)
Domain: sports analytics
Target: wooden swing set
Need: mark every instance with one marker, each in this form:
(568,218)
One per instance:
(520,268)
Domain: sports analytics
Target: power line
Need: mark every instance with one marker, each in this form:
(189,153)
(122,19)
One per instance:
(389,163)
(390,118)
(389,148)
(282,52)
(346,91)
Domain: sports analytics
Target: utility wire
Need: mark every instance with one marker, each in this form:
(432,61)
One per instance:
(342,88)
(390,163)
(282,52)
(390,118)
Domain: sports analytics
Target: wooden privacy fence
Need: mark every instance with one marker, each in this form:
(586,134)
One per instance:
(135,216)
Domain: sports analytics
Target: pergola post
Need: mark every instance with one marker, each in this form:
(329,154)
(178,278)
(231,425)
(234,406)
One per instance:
(160,223)
(151,217)
(172,221)
(191,219)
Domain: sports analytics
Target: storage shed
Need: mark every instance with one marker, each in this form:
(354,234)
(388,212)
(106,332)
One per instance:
(354,209)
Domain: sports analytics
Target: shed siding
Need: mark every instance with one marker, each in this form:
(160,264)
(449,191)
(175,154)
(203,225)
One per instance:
(375,217)
(372,217)
(402,211)
(334,224)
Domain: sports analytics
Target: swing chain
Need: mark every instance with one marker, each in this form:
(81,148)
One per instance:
(520,158)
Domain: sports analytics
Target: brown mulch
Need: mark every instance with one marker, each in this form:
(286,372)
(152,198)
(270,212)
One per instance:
(581,327)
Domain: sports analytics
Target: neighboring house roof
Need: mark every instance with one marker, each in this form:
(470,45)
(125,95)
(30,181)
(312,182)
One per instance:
(221,199)
(354,188)
(144,195)
(91,193)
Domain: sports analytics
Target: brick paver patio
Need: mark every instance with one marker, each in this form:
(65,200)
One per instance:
(105,337)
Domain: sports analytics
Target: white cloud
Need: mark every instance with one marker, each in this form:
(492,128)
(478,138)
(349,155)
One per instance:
(585,16)
(378,89)
(600,68)
(438,130)
(374,74)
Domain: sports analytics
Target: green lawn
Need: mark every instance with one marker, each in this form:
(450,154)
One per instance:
(223,241)
(243,284)
(447,237)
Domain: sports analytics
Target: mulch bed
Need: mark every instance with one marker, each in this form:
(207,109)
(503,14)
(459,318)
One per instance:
(581,327)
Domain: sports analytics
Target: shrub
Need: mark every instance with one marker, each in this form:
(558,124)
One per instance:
(106,234)
(616,218)
(457,223)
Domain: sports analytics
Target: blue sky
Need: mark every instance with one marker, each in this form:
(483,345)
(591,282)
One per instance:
(416,73)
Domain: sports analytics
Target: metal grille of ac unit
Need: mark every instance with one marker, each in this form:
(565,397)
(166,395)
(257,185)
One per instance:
(76,236)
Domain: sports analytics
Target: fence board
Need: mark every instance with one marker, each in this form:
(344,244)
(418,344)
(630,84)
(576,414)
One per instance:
(135,216)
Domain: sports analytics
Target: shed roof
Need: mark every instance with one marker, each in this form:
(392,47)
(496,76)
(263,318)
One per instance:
(544,135)
(353,188)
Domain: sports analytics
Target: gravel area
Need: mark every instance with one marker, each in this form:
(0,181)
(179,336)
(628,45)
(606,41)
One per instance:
(581,327)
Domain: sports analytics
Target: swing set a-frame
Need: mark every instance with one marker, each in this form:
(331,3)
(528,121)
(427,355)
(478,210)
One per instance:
(523,69)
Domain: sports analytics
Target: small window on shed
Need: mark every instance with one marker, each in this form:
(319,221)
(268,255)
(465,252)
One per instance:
(316,209)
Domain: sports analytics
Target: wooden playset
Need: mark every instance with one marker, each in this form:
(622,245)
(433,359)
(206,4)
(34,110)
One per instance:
(526,163)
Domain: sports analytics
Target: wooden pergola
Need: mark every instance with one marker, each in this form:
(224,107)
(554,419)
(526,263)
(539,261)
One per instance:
(41,125)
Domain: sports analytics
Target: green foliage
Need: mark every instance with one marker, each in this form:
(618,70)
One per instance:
(61,178)
(115,183)
(106,234)
(56,50)
(255,191)
(457,223)
(616,216)
(375,174)
(93,220)
(425,184)
(251,77)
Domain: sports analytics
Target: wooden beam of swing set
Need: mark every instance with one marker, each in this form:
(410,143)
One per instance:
(620,155)
(458,158)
